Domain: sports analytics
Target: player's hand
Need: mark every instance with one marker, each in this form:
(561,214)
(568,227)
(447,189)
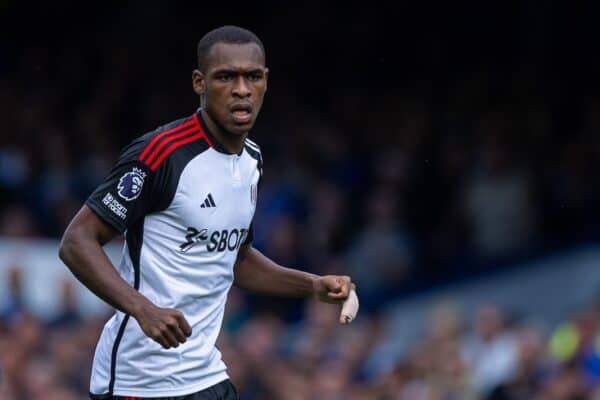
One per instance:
(166,326)
(337,289)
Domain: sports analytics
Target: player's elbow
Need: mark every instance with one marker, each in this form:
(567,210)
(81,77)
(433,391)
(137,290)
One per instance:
(66,247)
(70,244)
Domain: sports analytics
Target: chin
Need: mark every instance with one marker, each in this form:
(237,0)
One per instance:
(240,129)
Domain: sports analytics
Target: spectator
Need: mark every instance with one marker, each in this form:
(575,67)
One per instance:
(14,306)
(491,351)
(381,257)
(498,203)
(67,316)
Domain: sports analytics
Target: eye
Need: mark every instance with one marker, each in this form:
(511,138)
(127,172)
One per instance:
(225,77)
(254,76)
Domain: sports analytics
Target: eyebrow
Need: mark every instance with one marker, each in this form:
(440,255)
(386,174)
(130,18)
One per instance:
(237,71)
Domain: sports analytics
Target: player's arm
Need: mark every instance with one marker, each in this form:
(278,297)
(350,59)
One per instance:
(130,191)
(81,250)
(259,274)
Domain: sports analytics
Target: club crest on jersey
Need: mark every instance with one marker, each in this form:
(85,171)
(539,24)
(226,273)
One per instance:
(253,194)
(130,184)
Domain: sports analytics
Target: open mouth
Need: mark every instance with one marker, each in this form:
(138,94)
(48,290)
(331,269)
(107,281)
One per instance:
(242,113)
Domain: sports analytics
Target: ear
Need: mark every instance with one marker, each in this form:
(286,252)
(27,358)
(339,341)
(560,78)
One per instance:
(198,82)
(266,78)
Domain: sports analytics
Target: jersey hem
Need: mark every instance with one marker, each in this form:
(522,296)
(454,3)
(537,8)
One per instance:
(205,384)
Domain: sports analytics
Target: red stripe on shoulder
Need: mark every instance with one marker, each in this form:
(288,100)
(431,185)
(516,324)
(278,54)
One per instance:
(157,149)
(181,135)
(175,146)
(158,137)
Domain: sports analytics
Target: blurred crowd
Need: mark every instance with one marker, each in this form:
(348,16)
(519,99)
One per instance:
(402,148)
(489,355)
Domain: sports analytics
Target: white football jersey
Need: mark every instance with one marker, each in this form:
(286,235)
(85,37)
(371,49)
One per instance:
(186,206)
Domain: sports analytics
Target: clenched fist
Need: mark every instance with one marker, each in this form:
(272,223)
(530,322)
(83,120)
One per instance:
(166,326)
(338,290)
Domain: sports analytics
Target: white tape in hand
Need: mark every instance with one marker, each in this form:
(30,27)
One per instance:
(349,308)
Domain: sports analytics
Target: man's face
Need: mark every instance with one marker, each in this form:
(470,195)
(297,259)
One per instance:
(233,85)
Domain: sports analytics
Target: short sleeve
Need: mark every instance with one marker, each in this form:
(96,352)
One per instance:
(128,193)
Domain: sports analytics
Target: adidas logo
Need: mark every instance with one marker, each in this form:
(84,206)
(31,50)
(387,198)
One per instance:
(208,202)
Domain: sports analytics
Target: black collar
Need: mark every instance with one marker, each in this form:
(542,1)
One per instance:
(215,142)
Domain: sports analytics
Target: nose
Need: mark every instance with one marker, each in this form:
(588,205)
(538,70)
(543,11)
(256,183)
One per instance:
(241,88)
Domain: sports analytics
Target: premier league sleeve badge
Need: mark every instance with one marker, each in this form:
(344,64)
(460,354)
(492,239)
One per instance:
(130,184)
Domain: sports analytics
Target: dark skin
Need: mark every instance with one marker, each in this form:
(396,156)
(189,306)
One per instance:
(231,90)
(235,76)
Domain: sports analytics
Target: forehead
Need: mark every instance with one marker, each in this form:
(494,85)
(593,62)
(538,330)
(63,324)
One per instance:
(245,56)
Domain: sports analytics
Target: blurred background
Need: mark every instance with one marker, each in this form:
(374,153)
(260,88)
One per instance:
(445,156)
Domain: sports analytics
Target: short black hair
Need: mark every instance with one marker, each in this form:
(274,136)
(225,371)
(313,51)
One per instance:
(225,34)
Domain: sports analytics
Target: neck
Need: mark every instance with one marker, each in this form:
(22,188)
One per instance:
(233,143)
